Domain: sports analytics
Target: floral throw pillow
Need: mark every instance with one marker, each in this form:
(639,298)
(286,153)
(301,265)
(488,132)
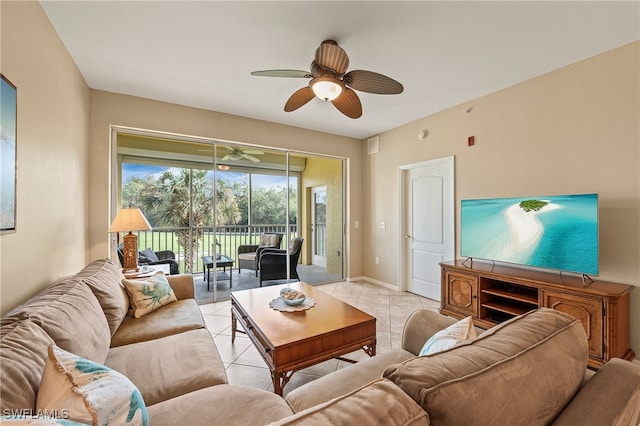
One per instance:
(449,337)
(89,392)
(147,295)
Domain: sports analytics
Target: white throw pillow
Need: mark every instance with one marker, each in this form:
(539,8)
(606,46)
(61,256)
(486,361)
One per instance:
(147,295)
(89,392)
(449,337)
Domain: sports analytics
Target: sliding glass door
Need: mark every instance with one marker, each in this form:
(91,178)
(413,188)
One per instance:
(207,201)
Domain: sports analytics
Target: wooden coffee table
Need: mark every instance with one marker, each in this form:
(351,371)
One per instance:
(290,341)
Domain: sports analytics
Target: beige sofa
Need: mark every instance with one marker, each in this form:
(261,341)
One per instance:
(168,354)
(530,370)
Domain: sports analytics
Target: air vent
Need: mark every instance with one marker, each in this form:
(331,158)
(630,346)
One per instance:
(373,145)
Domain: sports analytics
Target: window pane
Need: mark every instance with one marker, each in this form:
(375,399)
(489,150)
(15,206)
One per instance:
(232,197)
(268,199)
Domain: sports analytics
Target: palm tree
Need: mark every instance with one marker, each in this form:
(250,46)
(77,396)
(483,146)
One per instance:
(183,199)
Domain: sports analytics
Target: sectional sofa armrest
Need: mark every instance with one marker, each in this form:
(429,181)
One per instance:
(610,397)
(420,326)
(182,285)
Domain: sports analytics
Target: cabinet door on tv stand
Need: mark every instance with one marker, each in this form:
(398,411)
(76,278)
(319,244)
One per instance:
(588,310)
(460,294)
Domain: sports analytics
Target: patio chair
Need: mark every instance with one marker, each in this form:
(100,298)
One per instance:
(248,254)
(273,262)
(150,257)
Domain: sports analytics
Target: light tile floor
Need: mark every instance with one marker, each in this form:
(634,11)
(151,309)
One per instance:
(244,365)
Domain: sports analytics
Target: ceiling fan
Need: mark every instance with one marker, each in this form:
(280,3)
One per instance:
(235,154)
(330,81)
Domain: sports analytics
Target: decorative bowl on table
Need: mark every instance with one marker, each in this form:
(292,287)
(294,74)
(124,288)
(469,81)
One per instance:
(292,297)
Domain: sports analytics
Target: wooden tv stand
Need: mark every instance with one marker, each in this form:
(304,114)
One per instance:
(493,293)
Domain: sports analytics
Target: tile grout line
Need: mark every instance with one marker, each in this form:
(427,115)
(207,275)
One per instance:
(246,368)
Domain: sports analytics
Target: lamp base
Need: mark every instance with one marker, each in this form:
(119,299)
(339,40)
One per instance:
(130,252)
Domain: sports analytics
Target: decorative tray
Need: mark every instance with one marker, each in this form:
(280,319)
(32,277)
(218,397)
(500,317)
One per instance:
(279,305)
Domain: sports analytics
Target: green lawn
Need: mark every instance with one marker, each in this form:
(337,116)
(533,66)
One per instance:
(168,240)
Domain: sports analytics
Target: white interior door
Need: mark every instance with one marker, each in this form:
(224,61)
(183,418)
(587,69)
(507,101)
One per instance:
(429,224)
(319,226)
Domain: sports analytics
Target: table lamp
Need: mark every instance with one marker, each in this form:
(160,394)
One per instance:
(130,219)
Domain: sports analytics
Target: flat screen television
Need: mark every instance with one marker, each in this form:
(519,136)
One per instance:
(553,232)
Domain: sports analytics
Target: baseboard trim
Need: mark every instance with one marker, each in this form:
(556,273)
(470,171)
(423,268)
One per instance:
(376,282)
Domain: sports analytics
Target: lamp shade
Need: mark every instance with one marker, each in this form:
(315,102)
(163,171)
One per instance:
(129,219)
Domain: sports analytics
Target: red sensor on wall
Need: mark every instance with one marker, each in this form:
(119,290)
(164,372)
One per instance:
(471,141)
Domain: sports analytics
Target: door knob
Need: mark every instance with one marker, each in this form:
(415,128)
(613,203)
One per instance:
(408,237)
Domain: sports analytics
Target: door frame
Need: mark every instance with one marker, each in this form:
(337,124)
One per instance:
(313,224)
(402,228)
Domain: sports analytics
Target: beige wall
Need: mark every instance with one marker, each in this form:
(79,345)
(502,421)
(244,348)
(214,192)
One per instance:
(113,109)
(574,130)
(52,149)
(324,172)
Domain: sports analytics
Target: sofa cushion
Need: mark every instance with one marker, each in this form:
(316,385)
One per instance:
(171,366)
(23,351)
(104,279)
(449,337)
(89,392)
(148,294)
(344,380)
(42,298)
(72,316)
(378,403)
(227,405)
(538,359)
(177,317)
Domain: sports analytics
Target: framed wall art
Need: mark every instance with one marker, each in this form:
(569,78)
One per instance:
(8,140)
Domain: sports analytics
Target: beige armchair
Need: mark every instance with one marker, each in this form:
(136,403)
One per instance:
(249,254)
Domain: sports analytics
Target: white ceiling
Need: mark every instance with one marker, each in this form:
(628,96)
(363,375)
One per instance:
(200,53)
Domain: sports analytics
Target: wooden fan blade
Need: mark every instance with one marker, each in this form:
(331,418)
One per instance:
(283,73)
(348,103)
(299,98)
(372,82)
(330,55)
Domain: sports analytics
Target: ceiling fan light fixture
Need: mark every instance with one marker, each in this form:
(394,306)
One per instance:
(331,82)
(326,88)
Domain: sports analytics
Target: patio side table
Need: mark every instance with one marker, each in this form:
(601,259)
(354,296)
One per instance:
(223,262)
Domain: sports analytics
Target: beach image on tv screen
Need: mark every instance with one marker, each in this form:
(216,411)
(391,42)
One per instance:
(555,232)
